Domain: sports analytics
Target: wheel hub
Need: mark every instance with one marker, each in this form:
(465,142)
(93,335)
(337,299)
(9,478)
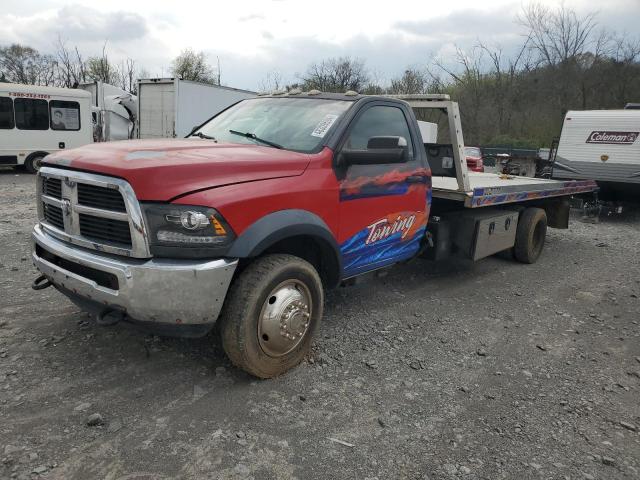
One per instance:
(285,318)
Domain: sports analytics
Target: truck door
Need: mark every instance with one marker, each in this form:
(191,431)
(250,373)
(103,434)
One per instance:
(383,207)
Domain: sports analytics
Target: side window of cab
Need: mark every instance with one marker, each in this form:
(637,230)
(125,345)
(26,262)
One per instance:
(379,121)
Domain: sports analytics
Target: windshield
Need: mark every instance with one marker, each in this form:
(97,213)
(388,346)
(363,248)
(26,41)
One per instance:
(298,124)
(472,152)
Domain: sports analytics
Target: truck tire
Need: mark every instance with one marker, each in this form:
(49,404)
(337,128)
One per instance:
(271,314)
(530,235)
(33,162)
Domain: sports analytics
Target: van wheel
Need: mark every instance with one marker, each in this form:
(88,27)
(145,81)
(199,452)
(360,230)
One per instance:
(271,314)
(530,235)
(34,162)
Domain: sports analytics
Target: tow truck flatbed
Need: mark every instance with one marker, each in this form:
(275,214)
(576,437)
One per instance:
(497,189)
(477,189)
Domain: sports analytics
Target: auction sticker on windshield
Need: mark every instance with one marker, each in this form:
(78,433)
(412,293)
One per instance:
(324,125)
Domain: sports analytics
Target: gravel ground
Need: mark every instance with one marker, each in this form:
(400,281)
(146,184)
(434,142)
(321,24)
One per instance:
(489,370)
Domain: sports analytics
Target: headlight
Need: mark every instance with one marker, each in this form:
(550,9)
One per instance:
(186,231)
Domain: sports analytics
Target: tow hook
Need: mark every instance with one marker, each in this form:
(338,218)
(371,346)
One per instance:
(109,316)
(41,283)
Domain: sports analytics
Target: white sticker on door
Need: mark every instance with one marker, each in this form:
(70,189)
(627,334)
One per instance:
(324,125)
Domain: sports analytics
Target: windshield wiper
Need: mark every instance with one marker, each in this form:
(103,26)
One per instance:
(256,138)
(202,135)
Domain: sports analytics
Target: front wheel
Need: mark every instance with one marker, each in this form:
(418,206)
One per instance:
(273,310)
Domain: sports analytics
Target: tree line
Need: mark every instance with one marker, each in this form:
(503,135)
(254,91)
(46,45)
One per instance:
(566,61)
(66,67)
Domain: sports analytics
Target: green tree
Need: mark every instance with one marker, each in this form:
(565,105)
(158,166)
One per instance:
(23,64)
(190,65)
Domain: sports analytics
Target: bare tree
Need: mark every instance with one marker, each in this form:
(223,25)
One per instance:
(557,35)
(71,67)
(127,74)
(336,75)
(190,65)
(272,82)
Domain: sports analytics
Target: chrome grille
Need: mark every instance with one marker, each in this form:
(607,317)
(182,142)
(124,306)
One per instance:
(53,215)
(105,230)
(100,197)
(92,211)
(52,187)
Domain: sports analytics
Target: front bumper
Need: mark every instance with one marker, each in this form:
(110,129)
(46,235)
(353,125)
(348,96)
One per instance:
(187,294)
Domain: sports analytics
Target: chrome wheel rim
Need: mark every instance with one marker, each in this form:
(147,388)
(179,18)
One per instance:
(37,163)
(285,318)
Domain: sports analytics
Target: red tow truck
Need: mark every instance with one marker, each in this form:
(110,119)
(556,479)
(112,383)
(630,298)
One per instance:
(247,221)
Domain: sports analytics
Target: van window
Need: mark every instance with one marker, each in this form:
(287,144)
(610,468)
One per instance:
(31,114)
(64,115)
(6,113)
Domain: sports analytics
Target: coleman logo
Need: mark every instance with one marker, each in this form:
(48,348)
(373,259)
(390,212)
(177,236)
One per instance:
(384,228)
(620,138)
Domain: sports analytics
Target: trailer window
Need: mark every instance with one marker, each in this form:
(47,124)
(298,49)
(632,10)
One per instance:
(31,114)
(64,115)
(6,113)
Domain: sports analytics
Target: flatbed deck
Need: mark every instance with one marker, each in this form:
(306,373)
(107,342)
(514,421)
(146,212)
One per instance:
(495,189)
(477,189)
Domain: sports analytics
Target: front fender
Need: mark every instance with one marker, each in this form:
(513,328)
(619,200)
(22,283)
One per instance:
(283,224)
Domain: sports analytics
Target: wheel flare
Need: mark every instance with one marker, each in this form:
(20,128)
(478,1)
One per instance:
(283,323)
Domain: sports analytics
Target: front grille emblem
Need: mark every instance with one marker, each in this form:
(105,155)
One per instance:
(66,207)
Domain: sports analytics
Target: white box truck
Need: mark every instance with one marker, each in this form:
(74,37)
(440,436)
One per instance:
(170,107)
(601,145)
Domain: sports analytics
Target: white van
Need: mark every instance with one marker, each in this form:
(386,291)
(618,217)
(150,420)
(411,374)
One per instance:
(36,121)
(601,145)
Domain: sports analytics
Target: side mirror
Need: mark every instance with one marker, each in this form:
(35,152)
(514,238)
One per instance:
(380,151)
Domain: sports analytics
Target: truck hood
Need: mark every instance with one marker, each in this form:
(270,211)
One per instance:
(164,169)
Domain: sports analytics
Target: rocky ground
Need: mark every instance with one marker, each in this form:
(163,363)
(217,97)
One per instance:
(477,371)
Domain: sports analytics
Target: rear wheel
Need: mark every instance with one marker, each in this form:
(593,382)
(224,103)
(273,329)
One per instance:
(33,163)
(272,312)
(530,235)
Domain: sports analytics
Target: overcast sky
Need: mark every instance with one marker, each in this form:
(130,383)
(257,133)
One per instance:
(254,38)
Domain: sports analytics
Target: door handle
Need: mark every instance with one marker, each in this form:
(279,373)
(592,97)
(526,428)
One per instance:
(416,179)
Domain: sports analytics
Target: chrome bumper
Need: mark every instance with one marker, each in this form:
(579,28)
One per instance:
(157,291)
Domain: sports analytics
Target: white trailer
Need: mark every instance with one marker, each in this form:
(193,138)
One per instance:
(36,121)
(170,107)
(602,145)
(114,111)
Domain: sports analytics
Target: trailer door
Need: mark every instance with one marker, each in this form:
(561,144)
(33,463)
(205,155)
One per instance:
(157,110)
